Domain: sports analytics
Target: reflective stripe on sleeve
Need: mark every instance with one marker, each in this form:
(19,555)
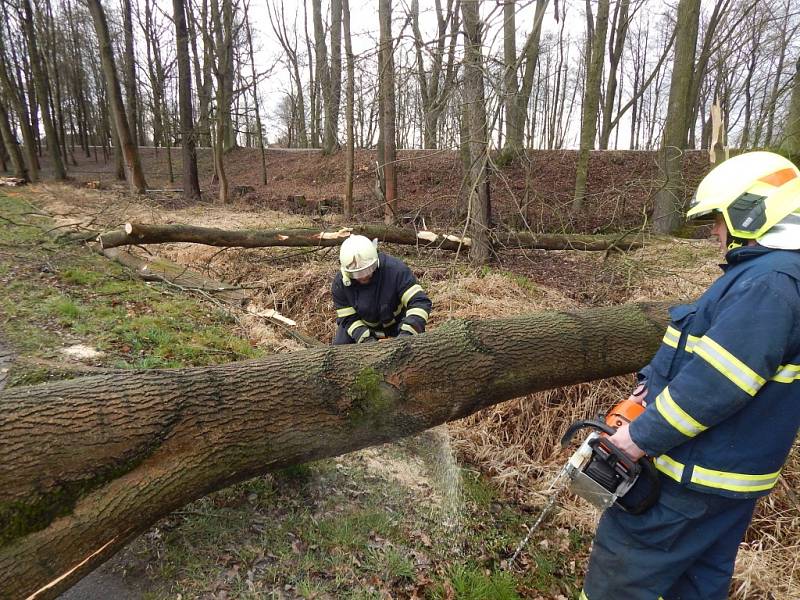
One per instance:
(731,367)
(735,482)
(691,342)
(364,336)
(370,323)
(583,596)
(410,293)
(671,337)
(418,312)
(398,310)
(390,323)
(676,416)
(345,312)
(670,467)
(355,325)
(408,328)
(787,374)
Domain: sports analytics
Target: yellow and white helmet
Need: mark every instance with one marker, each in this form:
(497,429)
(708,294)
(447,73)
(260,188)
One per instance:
(358,257)
(758,194)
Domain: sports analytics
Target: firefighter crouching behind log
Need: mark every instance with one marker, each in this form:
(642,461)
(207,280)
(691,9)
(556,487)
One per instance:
(376,295)
(722,396)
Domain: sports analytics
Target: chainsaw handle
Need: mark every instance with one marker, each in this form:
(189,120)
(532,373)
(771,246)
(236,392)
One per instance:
(582,424)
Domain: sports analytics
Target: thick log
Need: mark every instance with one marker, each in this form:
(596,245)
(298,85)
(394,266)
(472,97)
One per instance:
(86,464)
(139,233)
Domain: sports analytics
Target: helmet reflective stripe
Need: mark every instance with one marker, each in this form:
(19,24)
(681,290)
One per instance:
(753,191)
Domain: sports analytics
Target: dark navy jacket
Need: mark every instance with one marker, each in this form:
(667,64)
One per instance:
(724,387)
(391,303)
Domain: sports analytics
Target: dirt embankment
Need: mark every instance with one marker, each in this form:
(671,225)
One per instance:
(533,192)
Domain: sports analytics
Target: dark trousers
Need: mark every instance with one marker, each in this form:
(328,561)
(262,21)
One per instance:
(684,548)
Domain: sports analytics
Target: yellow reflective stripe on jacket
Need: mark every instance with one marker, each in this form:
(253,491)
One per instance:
(345,312)
(408,328)
(670,467)
(398,310)
(355,325)
(410,293)
(676,416)
(370,323)
(787,374)
(731,367)
(583,596)
(671,337)
(735,482)
(418,312)
(390,323)
(364,336)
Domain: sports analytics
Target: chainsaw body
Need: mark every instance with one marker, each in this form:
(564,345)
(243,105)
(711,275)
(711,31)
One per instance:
(603,474)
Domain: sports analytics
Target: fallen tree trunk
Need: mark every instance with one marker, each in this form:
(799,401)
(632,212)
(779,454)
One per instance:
(139,233)
(89,463)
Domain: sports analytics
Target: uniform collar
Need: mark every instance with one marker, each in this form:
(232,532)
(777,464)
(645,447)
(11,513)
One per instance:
(743,254)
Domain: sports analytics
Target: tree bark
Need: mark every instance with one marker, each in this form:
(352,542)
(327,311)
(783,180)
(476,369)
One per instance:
(478,181)
(669,202)
(791,133)
(113,453)
(616,43)
(191,182)
(140,234)
(591,102)
(42,85)
(130,152)
(129,78)
(11,145)
(349,102)
(388,110)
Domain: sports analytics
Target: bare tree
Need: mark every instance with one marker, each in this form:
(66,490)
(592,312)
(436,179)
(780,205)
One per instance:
(791,133)
(669,201)
(591,99)
(42,84)
(479,210)
(191,183)
(349,101)
(130,152)
(388,140)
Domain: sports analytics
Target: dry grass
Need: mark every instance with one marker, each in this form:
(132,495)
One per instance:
(516,443)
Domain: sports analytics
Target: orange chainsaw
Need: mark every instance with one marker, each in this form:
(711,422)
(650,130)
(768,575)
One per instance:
(602,473)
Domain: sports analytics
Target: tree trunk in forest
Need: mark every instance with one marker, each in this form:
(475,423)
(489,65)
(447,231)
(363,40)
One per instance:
(791,133)
(349,102)
(222,47)
(129,78)
(619,33)
(669,201)
(140,234)
(479,208)
(191,182)
(42,85)
(113,453)
(388,110)
(227,54)
(11,145)
(12,94)
(130,152)
(517,118)
(591,102)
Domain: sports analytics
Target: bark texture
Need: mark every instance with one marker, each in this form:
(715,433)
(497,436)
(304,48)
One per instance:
(138,233)
(89,463)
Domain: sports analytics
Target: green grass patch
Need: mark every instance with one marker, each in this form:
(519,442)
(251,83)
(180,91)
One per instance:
(470,583)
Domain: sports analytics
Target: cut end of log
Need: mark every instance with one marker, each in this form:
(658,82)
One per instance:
(458,240)
(129,228)
(428,236)
(334,235)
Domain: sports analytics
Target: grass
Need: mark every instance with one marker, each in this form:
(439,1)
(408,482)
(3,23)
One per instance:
(58,295)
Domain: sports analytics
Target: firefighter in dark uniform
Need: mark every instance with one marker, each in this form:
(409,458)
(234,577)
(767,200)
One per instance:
(376,295)
(722,398)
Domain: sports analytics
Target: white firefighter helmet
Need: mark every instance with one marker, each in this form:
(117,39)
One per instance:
(358,258)
(758,194)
